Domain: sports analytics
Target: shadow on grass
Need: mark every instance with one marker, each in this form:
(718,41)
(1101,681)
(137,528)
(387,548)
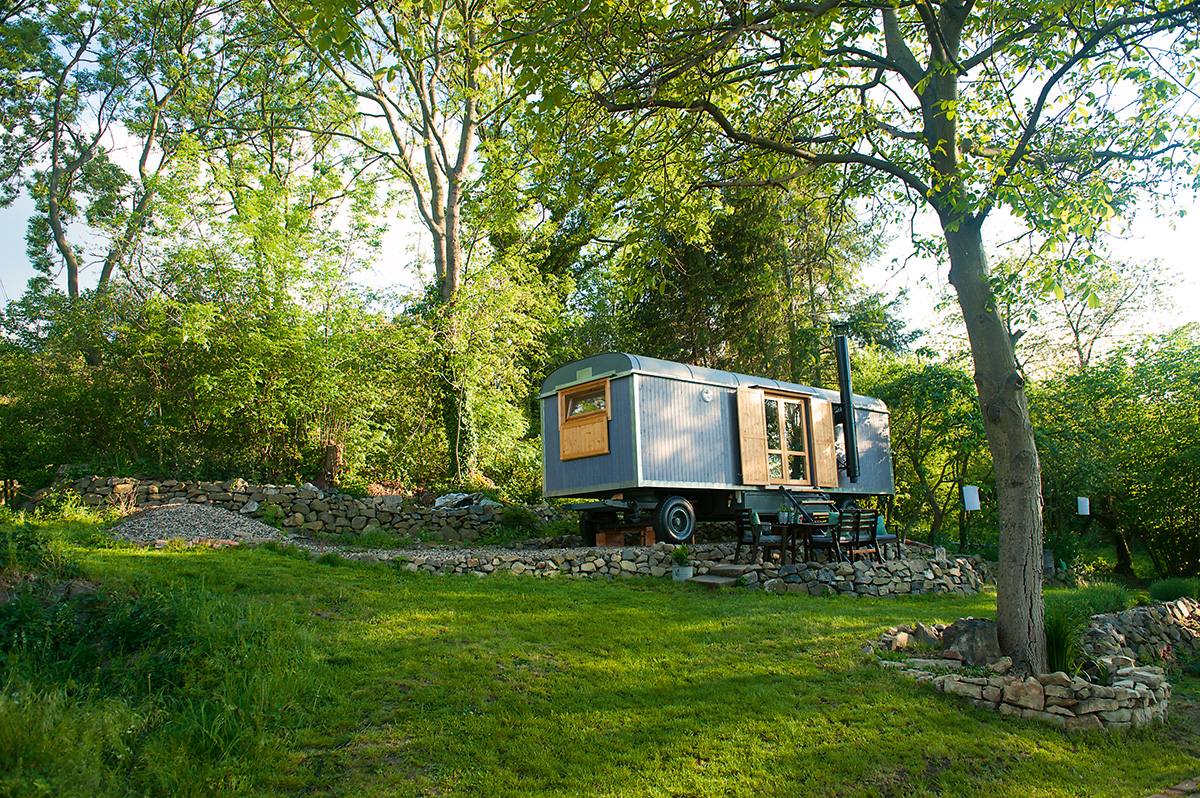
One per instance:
(520,686)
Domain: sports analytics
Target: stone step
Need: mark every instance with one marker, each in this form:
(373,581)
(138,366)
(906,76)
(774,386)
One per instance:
(708,580)
(730,570)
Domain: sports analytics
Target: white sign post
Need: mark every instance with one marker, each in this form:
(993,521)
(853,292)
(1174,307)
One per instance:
(1083,505)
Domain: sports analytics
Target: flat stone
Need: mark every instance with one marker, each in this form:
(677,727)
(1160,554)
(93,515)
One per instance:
(1096,705)
(1027,694)
(730,570)
(934,664)
(711,581)
(1058,679)
(962,689)
(1083,723)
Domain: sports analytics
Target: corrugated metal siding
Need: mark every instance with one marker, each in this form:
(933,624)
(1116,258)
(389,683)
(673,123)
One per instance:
(684,439)
(578,477)
(874,455)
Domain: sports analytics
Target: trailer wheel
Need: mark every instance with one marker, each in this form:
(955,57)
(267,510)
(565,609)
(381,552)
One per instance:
(674,520)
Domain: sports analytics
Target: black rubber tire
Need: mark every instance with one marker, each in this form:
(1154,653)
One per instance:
(674,520)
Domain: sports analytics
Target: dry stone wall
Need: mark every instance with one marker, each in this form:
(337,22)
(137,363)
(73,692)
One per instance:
(306,509)
(1146,634)
(1121,689)
(302,509)
(896,578)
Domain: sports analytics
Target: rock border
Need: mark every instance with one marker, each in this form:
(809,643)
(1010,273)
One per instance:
(1114,694)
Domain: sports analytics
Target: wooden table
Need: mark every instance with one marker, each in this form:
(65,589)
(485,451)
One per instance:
(801,533)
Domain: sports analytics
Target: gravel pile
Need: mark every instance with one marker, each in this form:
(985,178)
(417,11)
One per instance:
(196,522)
(191,522)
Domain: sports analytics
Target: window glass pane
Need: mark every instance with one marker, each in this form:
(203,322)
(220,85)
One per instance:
(796,468)
(583,403)
(795,427)
(772,406)
(775,464)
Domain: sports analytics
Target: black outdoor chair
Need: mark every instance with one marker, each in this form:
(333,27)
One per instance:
(757,536)
(851,537)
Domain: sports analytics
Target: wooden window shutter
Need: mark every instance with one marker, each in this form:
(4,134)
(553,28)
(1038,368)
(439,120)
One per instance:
(825,456)
(585,434)
(752,432)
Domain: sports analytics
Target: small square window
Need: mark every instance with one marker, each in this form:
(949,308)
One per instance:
(584,412)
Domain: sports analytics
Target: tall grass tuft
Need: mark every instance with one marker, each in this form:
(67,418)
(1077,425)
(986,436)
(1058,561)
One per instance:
(1064,621)
(1175,588)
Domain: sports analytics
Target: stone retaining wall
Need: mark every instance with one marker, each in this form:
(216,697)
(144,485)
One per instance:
(1138,698)
(1146,634)
(1112,691)
(311,509)
(304,508)
(889,579)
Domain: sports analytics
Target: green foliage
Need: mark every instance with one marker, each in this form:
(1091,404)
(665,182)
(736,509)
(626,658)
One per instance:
(753,296)
(1175,588)
(158,690)
(516,517)
(332,559)
(1102,598)
(1066,617)
(938,445)
(22,546)
(26,547)
(680,554)
(560,527)
(286,550)
(1064,621)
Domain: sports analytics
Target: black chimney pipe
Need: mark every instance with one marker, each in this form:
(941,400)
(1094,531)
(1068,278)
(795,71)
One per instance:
(844,414)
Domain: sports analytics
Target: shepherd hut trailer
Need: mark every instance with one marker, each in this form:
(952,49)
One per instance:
(651,439)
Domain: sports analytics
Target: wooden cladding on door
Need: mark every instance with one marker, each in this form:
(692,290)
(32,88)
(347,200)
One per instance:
(752,431)
(824,450)
(786,439)
(583,415)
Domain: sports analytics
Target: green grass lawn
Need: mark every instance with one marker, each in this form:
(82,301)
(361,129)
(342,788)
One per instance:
(360,680)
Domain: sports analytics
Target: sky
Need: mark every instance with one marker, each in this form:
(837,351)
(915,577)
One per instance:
(897,269)
(1149,238)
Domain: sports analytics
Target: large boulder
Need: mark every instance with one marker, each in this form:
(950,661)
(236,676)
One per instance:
(973,640)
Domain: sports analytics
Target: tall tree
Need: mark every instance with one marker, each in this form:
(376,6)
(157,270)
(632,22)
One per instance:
(431,74)
(1054,110)
(92,76)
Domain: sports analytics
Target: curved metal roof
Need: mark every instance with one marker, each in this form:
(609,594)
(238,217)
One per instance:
(620,364)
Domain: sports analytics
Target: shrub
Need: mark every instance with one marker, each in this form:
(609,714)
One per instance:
(23,547)
(514,516)
(1103,597)
(560,527)
(1175,588)
(61,503)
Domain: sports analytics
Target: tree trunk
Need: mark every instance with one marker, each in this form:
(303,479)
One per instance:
(1019,609)
(1106,516)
